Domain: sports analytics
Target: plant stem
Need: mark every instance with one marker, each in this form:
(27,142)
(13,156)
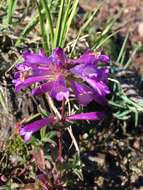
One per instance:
(60,157)
(59,133)
(63,111)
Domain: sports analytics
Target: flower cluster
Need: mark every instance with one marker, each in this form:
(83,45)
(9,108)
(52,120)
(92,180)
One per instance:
(57,75)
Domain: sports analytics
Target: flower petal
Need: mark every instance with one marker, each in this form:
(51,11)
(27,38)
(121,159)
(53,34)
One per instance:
(43,89)
(19,84)
(86,116)
(85,71)
(59,90)
(27,136)
(35,58)
(23,67)
(58,57)
(104,58)
(89,71)
(40,71)
(83,93)
(78,69)
(100,87)
(31,128)
(88,58)
(103,74)
(42,52)
(100,99)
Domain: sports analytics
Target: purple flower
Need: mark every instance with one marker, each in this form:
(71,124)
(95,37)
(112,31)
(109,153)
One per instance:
(57,75)
(49,72)
(96,78)
(31,128)
(86,116)
(91,57)
(83,93)
(28,130)
(34,58)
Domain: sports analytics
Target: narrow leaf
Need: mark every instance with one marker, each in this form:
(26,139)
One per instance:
(122,49)
(64,24)
(74,8)
(11,6)
(46,46)
(84,26)
(49,19)
(58,25)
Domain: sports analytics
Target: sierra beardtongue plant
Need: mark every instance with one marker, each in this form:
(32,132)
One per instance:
(86,77)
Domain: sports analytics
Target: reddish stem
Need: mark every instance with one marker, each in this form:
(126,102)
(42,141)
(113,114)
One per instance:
(59,133)
(63,110)
(60,157)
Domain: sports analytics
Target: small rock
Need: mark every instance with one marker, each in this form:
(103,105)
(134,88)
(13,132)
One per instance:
(136,144)
(100,160)
(140,29)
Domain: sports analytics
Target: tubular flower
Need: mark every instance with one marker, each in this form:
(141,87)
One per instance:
(31,128)
(28,130)
(86,116)
(56,75)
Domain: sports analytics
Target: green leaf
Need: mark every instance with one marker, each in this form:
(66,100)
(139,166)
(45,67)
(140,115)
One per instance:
(68,20)
(45,35)
(104,36)
(103,40)
(29,27)
(58,25)
(11,6)
(132,55)
(64,24)
(49,19)
(122,49)
(84,26)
